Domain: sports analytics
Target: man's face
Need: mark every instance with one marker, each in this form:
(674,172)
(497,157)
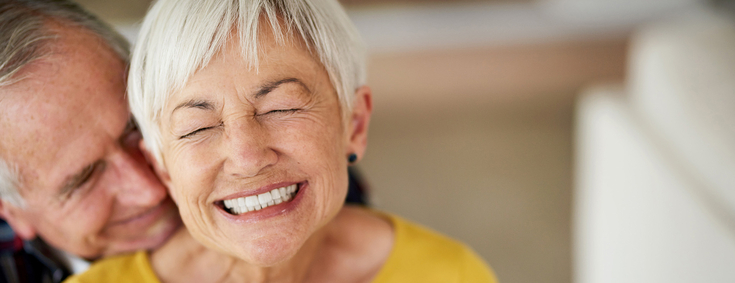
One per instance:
(87,186)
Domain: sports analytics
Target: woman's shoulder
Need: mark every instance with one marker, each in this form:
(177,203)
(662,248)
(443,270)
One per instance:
(422,255)
(133,267)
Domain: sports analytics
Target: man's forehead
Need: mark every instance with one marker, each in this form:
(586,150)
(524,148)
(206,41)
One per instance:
(67,107)
(47,143)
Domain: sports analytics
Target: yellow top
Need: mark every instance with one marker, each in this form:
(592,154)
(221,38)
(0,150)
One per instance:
(418,255)
(123,268)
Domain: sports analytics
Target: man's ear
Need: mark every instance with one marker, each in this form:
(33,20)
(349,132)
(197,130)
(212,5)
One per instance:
(16,218)
(160,170)
(362,109)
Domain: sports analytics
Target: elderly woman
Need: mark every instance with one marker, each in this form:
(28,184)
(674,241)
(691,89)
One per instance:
(251,111)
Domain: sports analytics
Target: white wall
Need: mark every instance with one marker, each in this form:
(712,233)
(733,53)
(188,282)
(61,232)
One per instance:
(655,170)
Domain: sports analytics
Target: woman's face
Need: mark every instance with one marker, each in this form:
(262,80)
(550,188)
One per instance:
(233,136)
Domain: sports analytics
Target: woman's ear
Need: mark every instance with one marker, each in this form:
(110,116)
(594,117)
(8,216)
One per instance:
(362,109)
(159,169)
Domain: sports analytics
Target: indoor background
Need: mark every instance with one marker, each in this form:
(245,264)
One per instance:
(474,102)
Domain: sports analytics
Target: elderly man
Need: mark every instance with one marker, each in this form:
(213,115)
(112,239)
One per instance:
(71,171)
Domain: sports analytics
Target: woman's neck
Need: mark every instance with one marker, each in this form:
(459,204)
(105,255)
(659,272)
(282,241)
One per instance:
(183,259)
(353,245)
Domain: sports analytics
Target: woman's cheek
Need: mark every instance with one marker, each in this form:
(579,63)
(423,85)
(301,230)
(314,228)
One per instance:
(180,174)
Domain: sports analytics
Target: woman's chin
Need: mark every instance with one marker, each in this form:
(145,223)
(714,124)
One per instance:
(267,254)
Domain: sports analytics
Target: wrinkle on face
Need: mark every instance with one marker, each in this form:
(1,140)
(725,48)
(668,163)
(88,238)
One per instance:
(307,144)
(67,113)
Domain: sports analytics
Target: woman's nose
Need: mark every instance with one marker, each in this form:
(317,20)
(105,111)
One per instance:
(247,149)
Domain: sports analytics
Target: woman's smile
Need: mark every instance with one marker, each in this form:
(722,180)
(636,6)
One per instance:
(268,201)
(256,202)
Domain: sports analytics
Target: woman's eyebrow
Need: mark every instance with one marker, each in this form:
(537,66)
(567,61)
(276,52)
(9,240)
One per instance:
(194,103)
(262,91)
(268,87)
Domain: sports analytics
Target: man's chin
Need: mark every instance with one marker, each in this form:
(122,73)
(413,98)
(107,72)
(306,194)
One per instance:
(157,234)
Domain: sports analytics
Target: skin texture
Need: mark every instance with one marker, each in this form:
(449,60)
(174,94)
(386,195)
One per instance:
(351,248)
(67,113)
(226,140)
(247,147)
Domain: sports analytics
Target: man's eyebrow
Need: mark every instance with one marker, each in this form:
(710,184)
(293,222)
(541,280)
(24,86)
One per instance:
(268,87)
(194,103)
(74,181)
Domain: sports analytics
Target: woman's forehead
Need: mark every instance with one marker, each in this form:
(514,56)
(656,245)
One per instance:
(276,61)
(229,72)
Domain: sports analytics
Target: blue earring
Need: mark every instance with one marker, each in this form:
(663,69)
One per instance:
(352,158)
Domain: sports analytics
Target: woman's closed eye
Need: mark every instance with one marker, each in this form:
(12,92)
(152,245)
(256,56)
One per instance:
(281,111)
(197,131)
(276,111)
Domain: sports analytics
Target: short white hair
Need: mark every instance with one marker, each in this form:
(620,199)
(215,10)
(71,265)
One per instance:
(180,37)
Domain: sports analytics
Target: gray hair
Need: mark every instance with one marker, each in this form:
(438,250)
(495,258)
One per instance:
(180,37)
(23,36)
(9,183)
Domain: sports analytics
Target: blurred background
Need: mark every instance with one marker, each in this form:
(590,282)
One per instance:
(531,130)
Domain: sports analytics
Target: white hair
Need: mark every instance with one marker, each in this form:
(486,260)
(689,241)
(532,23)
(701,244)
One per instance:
(180,37)
(9,181)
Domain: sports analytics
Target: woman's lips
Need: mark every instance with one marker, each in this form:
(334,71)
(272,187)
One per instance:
(289,193)
(257,202)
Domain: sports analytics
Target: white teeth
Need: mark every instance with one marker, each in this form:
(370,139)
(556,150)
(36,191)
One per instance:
(276,194)
(258,202)
(265,198)
(252,202)
(282,192)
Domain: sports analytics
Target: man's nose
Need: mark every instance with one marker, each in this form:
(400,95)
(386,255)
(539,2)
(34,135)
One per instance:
(246,149)
(138,185)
